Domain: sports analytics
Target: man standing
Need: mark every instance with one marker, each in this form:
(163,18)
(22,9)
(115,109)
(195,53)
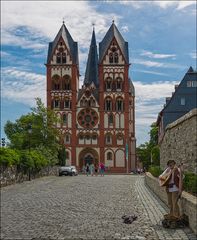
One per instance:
(171,178)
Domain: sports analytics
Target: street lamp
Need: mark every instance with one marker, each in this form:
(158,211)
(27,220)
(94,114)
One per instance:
(29,130)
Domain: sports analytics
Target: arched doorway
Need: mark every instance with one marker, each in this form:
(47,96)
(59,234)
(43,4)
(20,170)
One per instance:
(88,156)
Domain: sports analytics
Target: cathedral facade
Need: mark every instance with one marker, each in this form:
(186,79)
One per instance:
(97,121)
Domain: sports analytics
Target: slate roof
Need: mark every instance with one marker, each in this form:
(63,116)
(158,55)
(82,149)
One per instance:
(91,74)
(103,46)
(70,43)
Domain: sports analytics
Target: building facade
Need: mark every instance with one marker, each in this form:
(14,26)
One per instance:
(183,100)
(97,121)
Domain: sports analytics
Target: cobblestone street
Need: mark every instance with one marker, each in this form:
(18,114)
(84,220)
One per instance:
(83,208)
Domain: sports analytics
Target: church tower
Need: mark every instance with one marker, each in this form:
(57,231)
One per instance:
(116,94)
(62,87)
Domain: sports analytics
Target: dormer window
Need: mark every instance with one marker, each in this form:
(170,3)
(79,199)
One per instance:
(116,57)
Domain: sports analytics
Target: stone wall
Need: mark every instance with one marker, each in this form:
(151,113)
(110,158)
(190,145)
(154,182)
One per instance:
(12,175)
(188,202)
(180,142)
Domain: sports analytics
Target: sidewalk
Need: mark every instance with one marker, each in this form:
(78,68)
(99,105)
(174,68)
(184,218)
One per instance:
(155,209)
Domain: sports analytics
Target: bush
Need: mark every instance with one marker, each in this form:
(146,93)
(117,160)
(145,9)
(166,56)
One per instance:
(155,171)
(190,182)
(9,157)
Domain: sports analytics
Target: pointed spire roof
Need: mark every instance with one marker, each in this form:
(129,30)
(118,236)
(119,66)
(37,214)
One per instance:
(190,70)
(111,33)
(91,74)
(70,43)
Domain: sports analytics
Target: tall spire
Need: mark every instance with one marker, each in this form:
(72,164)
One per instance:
(91,74)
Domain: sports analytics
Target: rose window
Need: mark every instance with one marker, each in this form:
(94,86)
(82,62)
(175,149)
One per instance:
(87,118)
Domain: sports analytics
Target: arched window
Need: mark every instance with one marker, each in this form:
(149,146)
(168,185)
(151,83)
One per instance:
(109,156)
(63,57)
(56,103)
(67,139)
(108,104)
(58,58)
(56,82)
(110,119)
(119,84)
(111,58)
(67,104)
(116,57)
(64,119)
(108,84)
(119,105)
(66,82)
(108,139)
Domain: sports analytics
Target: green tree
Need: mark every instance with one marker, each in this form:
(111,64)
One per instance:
(43,133)
(148,152)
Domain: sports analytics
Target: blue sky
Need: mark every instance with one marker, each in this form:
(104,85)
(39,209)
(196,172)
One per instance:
(161,37)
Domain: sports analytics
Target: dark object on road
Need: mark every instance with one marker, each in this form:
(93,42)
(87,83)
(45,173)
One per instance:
(173,223)
(128,219)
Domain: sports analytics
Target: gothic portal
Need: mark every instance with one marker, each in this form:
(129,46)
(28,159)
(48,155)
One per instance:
(97,121)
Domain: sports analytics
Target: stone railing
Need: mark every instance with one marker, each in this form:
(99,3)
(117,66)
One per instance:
(12,175)
(188,202)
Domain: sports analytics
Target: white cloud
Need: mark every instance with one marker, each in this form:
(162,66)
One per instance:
(43,20)
(150,72)
(157,55)
(22,86)
(125,29)
(193,54)
(150,98)
(178,5)
(156,64)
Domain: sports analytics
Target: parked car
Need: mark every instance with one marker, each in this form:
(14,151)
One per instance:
(68,171)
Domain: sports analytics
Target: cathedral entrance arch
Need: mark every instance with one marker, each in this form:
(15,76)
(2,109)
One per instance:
(88,156)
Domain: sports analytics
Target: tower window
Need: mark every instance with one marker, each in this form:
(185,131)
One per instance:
(64,119)
(67,103)
(108,139)
(108,105)
(119,105)
(116,57)
(110,119)
(56,104)
(67,138)
(63,57)
(111,58)
(58,58)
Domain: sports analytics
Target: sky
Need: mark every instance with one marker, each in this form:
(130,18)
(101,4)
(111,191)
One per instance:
(162,47)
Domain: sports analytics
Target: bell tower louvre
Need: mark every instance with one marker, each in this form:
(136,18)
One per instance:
(97,120)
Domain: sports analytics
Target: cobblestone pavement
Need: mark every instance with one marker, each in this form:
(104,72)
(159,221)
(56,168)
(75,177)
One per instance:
(83,208)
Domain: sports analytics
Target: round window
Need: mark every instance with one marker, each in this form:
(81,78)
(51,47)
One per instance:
(87,118)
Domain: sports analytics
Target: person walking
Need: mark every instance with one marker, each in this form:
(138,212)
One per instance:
(102,169)
(87,169)
(171,178)
(92,169)
(96,170)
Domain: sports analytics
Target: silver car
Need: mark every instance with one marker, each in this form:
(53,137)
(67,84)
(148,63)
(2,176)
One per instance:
(68,171)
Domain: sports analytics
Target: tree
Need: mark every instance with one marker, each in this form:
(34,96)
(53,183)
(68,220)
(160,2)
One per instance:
(43,133)
(148,152)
